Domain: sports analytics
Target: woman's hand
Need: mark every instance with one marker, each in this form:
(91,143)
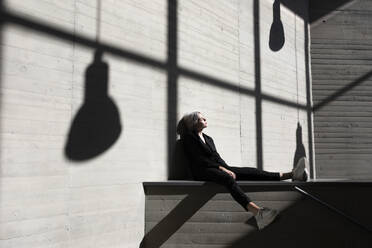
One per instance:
(232,174)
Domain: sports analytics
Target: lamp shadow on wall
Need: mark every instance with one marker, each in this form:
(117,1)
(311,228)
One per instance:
(96,126)
(277,37)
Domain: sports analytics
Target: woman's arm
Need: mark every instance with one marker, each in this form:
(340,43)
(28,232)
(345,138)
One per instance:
(232,174)
(222,162)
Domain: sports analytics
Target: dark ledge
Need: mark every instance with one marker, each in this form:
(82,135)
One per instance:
(322,182)
(180,187)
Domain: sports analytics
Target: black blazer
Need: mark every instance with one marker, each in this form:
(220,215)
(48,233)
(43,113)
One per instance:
(201,155)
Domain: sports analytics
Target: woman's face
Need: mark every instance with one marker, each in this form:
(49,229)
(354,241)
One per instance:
(202,123)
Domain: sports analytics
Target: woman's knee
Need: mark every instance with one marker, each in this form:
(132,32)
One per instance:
(228,181)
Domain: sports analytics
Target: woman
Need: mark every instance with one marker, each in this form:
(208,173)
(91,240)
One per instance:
(207,165)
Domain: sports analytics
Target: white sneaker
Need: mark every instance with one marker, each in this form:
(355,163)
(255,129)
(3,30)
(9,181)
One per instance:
(265,216)
(300,171)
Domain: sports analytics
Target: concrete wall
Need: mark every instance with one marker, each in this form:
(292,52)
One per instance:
(341,56)
(48,199)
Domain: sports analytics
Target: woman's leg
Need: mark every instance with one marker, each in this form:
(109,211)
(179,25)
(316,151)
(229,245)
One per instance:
(253,174)
(221,177)
(263,216)
(286,175)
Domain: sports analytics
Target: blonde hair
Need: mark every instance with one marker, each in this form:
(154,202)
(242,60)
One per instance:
(188,123)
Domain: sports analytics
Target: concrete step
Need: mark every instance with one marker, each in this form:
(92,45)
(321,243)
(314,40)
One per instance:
(202,214)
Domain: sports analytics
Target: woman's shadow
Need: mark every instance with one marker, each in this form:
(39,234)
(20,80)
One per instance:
(180,169)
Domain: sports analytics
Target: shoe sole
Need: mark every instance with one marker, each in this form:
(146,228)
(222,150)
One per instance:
(301,165)
(272,219)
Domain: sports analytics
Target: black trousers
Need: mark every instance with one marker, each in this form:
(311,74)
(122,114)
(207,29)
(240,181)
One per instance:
(242,174)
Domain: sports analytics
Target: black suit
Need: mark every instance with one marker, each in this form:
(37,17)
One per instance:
(205,162)
(202,155)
